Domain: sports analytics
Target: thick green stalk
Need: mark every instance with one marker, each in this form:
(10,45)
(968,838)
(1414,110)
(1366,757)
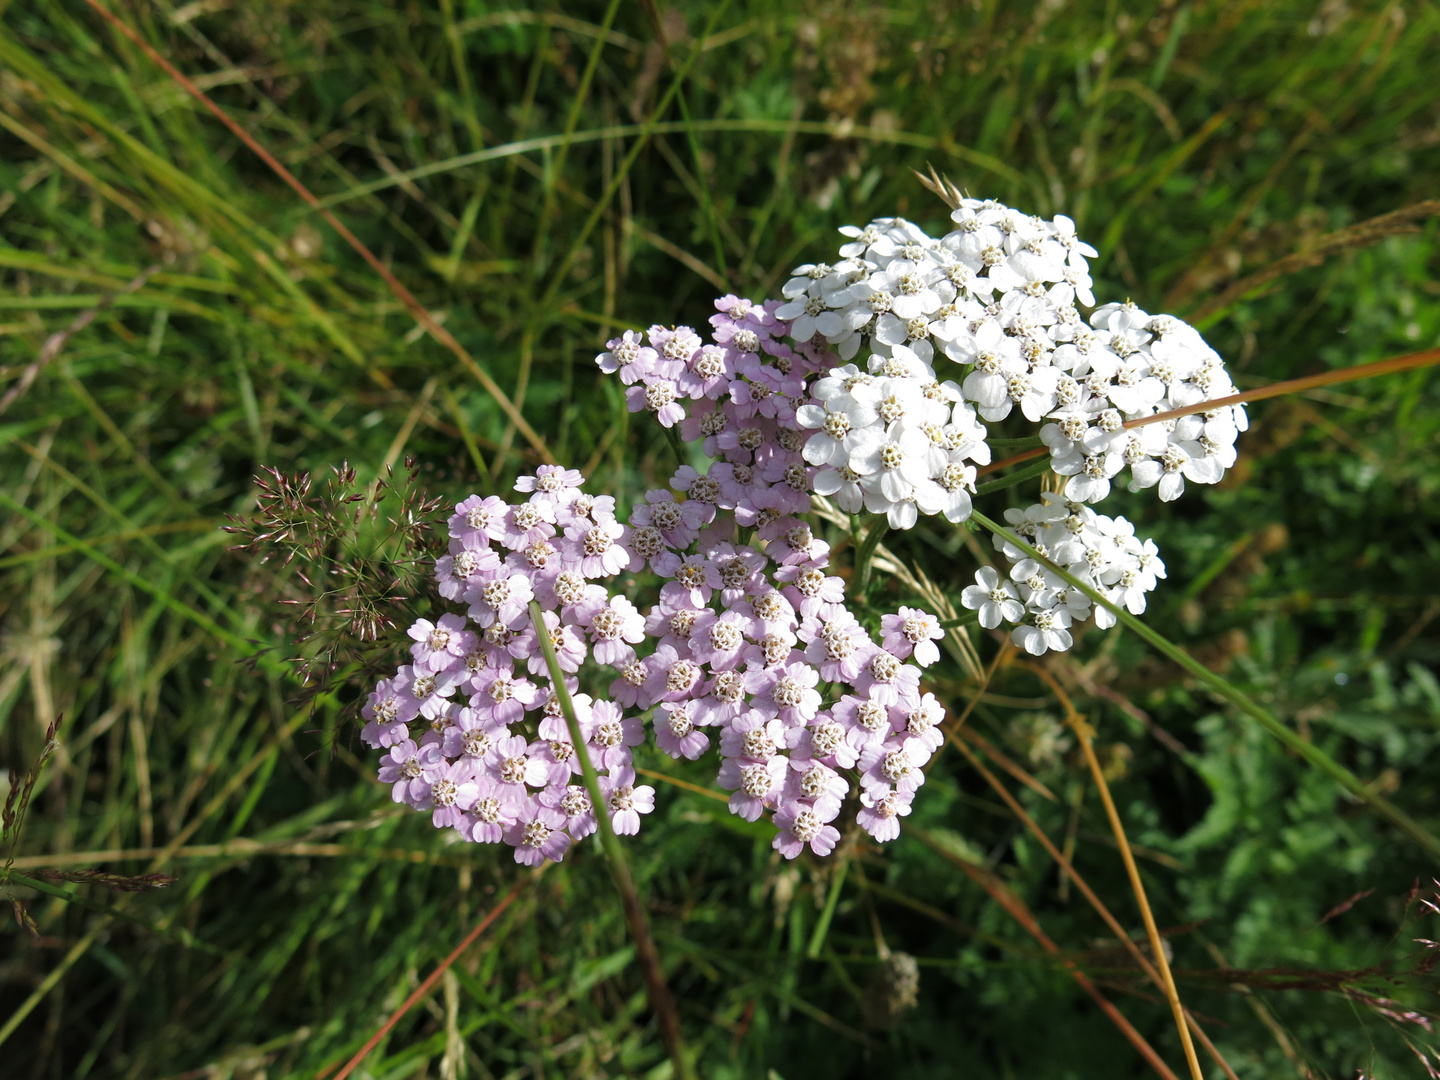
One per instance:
(1233,694)
(645,952)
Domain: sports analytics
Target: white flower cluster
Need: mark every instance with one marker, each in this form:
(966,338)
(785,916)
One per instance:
(894,441)
(852,370)
(997,295)
(1130,366)
(1101,551)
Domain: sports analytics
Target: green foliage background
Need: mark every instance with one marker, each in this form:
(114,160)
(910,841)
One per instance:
(1193,143)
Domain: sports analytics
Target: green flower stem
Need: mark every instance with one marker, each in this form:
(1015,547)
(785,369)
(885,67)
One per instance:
(1233,694)
(1030,443)
(673,438)
(968,619)
(865,554)
(646,954)
(1039,468)
(822,928)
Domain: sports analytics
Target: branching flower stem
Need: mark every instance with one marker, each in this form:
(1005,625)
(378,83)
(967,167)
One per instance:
(673,438)
(645,952)
(1236,697)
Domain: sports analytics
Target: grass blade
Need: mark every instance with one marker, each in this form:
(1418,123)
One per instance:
(1016,908)
(422,316)
(434,977)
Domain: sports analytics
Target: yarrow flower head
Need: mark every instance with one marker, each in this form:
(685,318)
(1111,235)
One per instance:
(870,387)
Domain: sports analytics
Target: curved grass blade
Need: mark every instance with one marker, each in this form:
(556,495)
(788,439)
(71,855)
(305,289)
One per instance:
(422,316)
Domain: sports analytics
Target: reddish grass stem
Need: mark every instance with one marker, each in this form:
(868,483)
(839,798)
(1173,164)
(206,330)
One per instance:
(416,309)
(430,981)
(1408,362)
(1157,945)
(1017,910)
(1095,902)
(1084,733)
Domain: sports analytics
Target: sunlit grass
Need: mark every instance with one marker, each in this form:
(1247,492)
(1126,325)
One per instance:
(1197,145)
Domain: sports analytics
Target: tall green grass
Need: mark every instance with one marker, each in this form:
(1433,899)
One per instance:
(541,177)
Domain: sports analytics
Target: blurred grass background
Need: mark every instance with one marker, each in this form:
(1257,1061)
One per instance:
(496,159)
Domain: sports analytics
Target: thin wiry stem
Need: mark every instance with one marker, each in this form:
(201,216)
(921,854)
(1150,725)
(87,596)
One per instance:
(1017,910)
(1084,733)
(1233,694)
(1361,234)
(578,241)
(581,95)
(646,955)
(79,949)
(178,933)
(1089,894)
(676,446)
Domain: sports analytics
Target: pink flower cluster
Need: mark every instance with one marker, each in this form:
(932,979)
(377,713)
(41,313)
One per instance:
(743,388)
(471,729)
(744,637)
(736,647)
(744,642)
